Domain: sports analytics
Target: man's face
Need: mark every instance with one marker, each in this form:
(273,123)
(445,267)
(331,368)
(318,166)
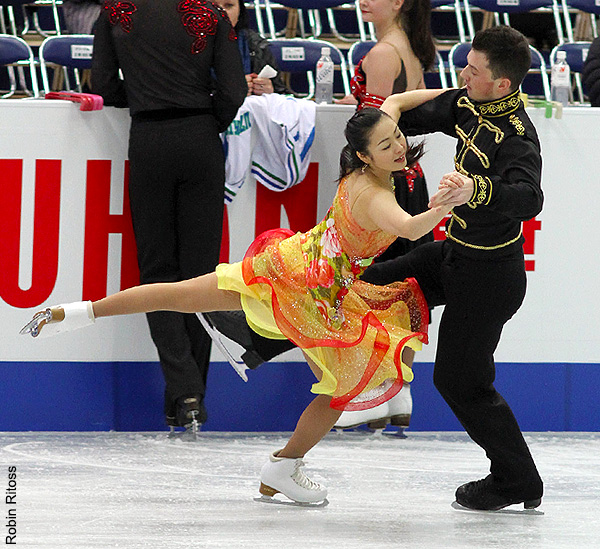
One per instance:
(481,85)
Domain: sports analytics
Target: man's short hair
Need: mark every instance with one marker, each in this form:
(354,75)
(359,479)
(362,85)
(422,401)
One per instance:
(507,52)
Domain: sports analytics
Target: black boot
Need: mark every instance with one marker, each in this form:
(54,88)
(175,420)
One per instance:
(258,349)
(483,495)
(188,408)
(233,325)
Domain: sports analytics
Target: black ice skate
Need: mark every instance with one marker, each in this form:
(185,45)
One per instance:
(480,495)
(190,414)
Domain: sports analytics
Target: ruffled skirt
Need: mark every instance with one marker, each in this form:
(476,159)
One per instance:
(361,362)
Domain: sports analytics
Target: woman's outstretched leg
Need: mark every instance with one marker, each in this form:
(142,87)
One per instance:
(200,294)
(196,295)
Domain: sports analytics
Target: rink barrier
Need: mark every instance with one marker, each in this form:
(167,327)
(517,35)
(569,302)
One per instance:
(127,396)
(66,236)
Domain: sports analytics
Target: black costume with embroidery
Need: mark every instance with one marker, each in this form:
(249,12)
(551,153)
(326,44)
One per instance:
(478,272)
(498,147)
(173,54)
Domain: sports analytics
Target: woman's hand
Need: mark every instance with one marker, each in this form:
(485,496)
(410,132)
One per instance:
(455,189)
(453,180)
(249,78)
(346,100)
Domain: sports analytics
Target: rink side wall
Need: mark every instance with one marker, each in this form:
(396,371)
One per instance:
(127,396)
(66,236)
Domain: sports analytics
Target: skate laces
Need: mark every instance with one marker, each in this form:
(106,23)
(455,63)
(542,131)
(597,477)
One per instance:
(301,479)
(478,487)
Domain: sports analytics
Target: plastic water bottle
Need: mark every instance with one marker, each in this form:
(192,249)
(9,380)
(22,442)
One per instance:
(560,82)
(324,73)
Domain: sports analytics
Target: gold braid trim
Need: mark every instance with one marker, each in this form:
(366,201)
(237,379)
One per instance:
(465,102)
(477,247)
(459,220)
(516,122)
(500,107)
(482,193)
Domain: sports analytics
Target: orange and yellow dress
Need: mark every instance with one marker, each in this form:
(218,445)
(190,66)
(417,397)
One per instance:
(305,287)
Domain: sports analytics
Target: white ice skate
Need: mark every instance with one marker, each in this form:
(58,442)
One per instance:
(61,318)
(285,476)
(396,411)
(401,407)
(377,418)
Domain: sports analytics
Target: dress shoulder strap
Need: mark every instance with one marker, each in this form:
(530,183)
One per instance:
(400,83)
(351,206)
(397,50)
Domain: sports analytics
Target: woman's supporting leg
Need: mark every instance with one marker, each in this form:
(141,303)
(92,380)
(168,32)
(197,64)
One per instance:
(314,423)
(283,472)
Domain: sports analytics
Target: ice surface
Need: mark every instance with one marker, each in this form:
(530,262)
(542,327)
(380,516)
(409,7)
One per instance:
(134,490)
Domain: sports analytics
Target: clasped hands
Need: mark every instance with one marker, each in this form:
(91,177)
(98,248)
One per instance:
(454,189)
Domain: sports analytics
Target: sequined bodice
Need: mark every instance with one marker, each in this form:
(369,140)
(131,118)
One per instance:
(336,252)
(356,241)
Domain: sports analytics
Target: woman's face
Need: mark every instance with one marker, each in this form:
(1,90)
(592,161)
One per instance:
(387,146)
(232,7)
(380,11)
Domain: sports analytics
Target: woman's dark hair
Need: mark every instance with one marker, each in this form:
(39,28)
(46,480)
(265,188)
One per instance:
(358,132)
(415,18)
(243,22)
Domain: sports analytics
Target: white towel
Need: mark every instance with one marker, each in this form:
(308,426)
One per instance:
(273,133)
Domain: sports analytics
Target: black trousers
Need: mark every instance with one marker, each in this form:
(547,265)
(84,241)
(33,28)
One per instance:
(480,296)
(176,190)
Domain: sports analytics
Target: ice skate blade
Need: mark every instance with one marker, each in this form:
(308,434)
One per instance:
(34,326)
(371,424)
(506,511)
(239,366)
(399,433)
(185,436)
(292,503)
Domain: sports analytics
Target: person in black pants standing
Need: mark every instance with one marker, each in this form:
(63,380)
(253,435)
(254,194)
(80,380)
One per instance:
(478,272)
(183,82)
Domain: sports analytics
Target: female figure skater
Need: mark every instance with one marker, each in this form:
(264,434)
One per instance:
(306,287)
(396,63)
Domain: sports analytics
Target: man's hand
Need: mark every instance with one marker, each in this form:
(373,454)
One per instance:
(454,189)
